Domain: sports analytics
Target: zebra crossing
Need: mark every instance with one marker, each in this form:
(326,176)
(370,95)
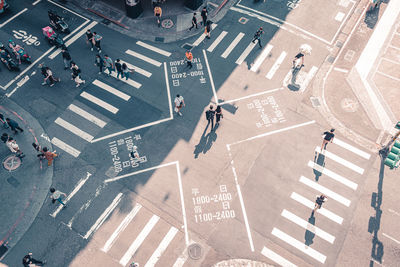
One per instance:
(100,100)
(337,183)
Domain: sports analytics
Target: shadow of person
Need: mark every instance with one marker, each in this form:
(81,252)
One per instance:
(309,236)
(211,137)
(202,143)
(319,163)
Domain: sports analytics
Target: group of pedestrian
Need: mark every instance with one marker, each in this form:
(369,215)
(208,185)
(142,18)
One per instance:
(94,39)
(9,140)
(122,69)
(48,76)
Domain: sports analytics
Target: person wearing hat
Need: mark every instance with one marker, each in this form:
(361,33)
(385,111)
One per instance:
(257,36)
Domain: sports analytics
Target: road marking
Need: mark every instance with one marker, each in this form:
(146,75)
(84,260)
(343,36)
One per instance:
(137,69)
(69,10)
(182,202)
(340,160)
(388,76)
(171,116)
(299,245)
(153,48)
(78,186)
(180,261)
(339,16)
(340,70)
(232,45)
(211,78)
(261,58)
(217,41)
(13,17)
(351,148)
(161,247)
(308,226)
(309,77)
(276,65)
(87,115)
(36,2)
(139,240)
(325,191)
(391,238)
(67,148)
(245,53)
(111,90)
(104,216)
(99,102)
(121,227)
(129,81)
(310,204)
(143,57)
(249,96)
(73,129)
(276,258)
(203,35)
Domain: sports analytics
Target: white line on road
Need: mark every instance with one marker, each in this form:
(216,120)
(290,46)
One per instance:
(178,171)
(139,240)
(121,227)
(137,69)
(308,226)
(171,116)
(232,45)
(36,2)
(260,59)
(111,90)
(180,261)
(103,216)
(211,78)
(153,48)
(67,148)
(99,102)
(245,53)
(276,258)
(73,129)
(309,77)
(351,148)
(69,10)
(276,65)
(340,160)
(391,238)
(299,245)
(249,96)
(340,70)
(161,247)
(325,191)
(13,17)
(129,81)
(143,57)
(203,35)
(86,115)
(217,41)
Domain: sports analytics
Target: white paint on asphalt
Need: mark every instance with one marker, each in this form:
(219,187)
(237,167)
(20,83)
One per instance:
(211,78)
(69,10)
(329,193)
(351,148)
(73,129)
(139,240)
(64,146)
(249,96)
(128,218)
(391,238)
(233,44)
(178,171)
(276,65)
(143,57)
(340,160)
(276,258)
(309,77)
(203,35)
(161,247)
(388,76)
(299,245)
(36,2)
(103,216)
(217,41)
(86,115)
(137,69)
(168,91)
(154,49)
(99,102)
(245,53)
(13,17)
(339,16)
(111,90)
(341,70)
(308,226)
(180,261)
(129,81)
(260,59)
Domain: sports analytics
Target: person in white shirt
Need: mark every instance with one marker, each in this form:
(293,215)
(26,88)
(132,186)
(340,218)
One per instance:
(14,148)
(179,104)
(57,196)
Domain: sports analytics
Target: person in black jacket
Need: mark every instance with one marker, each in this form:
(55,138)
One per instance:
(210,116)
(14,125)
(28,259)
(66,58)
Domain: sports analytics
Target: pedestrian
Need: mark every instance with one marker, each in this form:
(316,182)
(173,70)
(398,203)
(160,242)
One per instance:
(75,69)
(89,39)
(109,64)
(158,13)
(38,149)
(49,155)
(49,77)
(126,71)
(218,114)
(96,39)
(4,137)
(194,22)
(189,58)
(118,68)
(99,62)
(56,195)
(28,260)
(3,121)
(298,61)
(66,58)
(204,14)
(14,125)
(318,202)
(257,36)
(77,79)
(207,29)
(210,116)
(179,104)
(14,148)
(328,137)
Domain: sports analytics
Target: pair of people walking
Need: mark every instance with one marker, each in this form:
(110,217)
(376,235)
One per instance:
(48,75)
(93,39)
(211,113)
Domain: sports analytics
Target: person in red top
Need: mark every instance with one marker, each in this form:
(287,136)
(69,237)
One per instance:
(49,155)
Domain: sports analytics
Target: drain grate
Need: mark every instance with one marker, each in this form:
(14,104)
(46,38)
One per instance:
(195,251)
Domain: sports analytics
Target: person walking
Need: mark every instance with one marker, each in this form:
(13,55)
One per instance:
(179,104)
(118,68)
(75,69)
(328,137)
(3,121)
(194,22)
(57,195)
(218,114)
(49,77)
(204,14)
(38,149)
(66,58)
(14,125)
(14,148)
(126,71)
(96,39)
(207,30)
(257,36)
(210,116)
(318,202)
(89,39)
(28,260)
(49,155)
(4,137)
(99,62)
(77,79)
(158,13)
(189,58)
(109,64)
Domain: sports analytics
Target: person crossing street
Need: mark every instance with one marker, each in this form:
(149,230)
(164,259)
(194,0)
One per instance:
(194,22)
(57,195)
(257,36)
(210,116)
(66,58)
(318,202)
(328,137)
(179,104)
(189,58)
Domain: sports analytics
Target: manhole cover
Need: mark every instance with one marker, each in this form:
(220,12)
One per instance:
(167,23)
(194,251)
(11,163)
(315,101)
(349,105)
(243,20)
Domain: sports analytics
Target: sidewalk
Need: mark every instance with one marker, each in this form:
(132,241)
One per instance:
(23,190)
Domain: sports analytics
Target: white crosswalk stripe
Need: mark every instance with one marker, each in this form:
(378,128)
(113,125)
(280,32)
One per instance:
(153,48)
(86,115)
(245,53)
(99,102)
(73,129)
(129,81)
(137,69)
(217,41)
(111,90)
(309,77)
(276,65)
(276,258)
(233,44)
(260,59)
(203,35)
(143,57)
(351,148)
(64,146)
(340,160)
(161,247)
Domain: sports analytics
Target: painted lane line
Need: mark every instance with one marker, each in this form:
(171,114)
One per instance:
(36,2)
(67,148)
(340,70)
(217,41)
(103,216)
(309,77)
(161,247)
(75,30)
(388,76)
(13,17)
(99,102)
(168,92)
(211,78)
(86,115)
(137,69)
(325,191)
(299,245)
(391,238)
(308,226)
(139,240)
(69,10)
(276,258)
(73,129)
(310,204)
(260,59)
(154,49)
(340,160)
(351,148)
(78,186)
(332,175)
(180,261)
(178,172)
(143,57)
(245,53)
(276,65)
(129,81)
(250,96)
(121,227)
(203,36)
(111,90)
(232,45)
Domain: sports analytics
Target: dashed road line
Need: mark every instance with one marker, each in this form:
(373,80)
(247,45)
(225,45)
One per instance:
(86,115)
(276,258)
(64,146)
(261,58)
(154,49)
(233,44)
(73,129)
(99,102)
(161,247)
(276,65)
(111,90)
(217,41)
(340,160)
(143,57)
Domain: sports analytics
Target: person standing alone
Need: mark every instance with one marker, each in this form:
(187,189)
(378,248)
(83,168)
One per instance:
(179,104)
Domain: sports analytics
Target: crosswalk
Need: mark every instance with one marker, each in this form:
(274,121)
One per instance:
(103,98)
(339,184)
